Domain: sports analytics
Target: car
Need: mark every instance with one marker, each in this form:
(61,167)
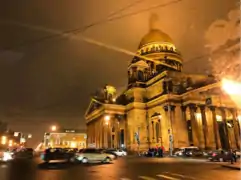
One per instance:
(238,153)
(93,155)
(112,153)
(186,151)
(117,152)
(219,155)
(120,152)
(59,154)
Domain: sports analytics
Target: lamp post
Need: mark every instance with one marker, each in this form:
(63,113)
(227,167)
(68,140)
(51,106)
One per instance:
(170,130)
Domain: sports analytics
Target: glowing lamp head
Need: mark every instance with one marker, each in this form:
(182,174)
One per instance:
(107,117)
(53,128)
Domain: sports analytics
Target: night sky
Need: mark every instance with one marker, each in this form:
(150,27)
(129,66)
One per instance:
(50,82)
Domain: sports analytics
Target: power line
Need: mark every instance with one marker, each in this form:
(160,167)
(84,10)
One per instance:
(141,11)
(35,41)
(78,30)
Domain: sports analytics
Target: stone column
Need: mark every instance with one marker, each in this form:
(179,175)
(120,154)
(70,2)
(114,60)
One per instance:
(165,128)
(227,135)
(126,134)
(153,131)
(204,127)
(117,134)
(103,133)
(215,128)
(194,124)
(181,120)
(174,126)
(236,128)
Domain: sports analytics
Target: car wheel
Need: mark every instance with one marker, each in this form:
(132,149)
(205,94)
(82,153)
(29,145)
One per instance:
(85,160)
(107,160)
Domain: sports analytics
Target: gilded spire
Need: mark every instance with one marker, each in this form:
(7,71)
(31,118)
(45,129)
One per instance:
(154,22)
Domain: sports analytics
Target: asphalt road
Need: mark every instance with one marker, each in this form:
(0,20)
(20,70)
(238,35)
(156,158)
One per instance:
(130,168)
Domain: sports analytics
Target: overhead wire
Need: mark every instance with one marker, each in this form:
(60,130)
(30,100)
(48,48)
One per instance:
(80,29)
(109,18)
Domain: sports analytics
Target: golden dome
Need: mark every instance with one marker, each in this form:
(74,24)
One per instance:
(155,35)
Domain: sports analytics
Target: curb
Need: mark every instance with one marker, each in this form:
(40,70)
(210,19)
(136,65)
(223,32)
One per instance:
(232,167)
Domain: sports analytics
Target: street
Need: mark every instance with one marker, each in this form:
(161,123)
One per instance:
(130,168)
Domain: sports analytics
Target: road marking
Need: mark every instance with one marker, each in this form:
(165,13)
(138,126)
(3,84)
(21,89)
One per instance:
(146,178)
(167,177)
(180,175)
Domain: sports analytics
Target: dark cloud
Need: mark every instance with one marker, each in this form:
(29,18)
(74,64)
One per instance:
(50,81)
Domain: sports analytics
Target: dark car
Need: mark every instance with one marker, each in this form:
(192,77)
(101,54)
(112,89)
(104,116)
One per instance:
(219,155)
(194,153)
(53,154)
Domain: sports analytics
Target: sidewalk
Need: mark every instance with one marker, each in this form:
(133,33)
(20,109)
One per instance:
(236,166)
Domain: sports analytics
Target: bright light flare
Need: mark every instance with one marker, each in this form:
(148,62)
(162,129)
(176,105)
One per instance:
(53,128)
(233,89)
(73,145)
(107,117)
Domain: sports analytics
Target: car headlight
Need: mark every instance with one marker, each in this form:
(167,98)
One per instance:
(7,156)
(79,158)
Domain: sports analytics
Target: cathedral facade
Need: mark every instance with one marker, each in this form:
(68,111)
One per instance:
(162,105)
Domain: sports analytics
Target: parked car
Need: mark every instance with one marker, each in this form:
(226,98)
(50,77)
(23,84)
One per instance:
(219,155)
(93,155)
(53,154)
(117,152)
(111,152)
(186,151)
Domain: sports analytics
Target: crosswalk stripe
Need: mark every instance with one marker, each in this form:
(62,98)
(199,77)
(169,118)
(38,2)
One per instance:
(180,175)
(167,177)
(146,178)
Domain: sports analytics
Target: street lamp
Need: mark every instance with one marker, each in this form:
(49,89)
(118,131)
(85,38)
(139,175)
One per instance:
(53,128)
(107,119)
(30,136)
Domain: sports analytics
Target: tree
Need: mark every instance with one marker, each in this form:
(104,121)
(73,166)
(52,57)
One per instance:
(223,40)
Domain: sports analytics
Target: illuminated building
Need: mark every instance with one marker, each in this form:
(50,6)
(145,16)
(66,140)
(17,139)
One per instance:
(65,138)
(162,104)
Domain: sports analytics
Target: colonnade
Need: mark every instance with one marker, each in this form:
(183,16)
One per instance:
(106,133)
(207,127)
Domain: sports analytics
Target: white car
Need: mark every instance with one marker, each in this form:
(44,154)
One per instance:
(120,153)
(92,155)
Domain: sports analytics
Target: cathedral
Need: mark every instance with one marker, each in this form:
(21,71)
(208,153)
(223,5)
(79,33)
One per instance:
(162,105)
